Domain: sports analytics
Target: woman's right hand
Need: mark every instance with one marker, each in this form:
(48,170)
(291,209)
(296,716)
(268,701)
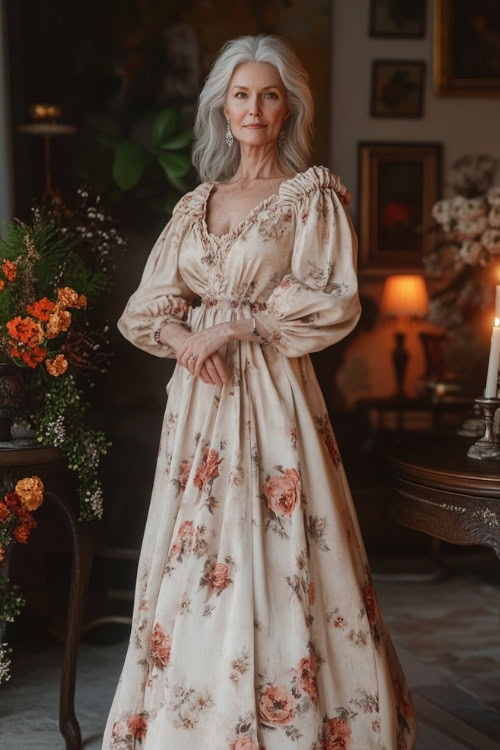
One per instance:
(212,371)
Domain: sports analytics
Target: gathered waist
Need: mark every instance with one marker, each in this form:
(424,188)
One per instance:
(234,303)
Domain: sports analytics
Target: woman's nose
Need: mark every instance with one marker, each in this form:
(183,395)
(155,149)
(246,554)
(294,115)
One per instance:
(254,108)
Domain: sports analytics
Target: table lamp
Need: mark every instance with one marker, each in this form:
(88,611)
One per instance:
(404,297)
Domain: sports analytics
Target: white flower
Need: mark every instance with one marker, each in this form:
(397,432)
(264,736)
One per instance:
(493,195)
(491,241)
(472,208)
(470,228)
(494,216)
(470,252)
(442,213)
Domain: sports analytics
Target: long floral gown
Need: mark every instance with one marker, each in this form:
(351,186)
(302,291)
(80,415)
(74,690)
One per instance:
(256,624)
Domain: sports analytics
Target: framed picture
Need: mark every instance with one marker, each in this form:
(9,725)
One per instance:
(467,47)
(398,19)
(397,88)
(398,185)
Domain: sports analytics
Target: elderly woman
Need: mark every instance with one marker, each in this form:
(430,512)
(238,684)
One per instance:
(256,624)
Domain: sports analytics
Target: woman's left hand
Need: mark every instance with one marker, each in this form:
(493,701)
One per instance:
(202,344)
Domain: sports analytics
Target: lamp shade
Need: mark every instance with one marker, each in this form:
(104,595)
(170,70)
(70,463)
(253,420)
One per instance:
(405,294)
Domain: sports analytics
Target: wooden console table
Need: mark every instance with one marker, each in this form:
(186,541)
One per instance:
(442,492)
(20,460)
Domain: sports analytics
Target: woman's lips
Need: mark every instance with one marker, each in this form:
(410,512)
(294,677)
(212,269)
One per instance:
(255,126)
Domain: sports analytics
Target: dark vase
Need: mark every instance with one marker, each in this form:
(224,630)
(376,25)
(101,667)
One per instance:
(11,397)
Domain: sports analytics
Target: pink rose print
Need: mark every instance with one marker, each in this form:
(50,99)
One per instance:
(138,726)
(160,644)
(119,731)
(186,530)
(243,743)
(337,735)
(282,492)
(218,576)
(184,472)
(208,467)
(276,706)
(306,676)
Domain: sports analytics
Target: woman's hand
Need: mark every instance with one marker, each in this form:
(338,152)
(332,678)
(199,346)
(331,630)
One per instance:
(205,345)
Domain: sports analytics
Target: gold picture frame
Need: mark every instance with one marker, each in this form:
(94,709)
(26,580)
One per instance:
(463,34)
(398,185)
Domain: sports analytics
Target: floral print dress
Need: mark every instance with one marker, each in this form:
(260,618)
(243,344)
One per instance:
(256,624)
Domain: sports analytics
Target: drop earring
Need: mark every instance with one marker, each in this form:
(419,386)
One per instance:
(229,136)
(281,137)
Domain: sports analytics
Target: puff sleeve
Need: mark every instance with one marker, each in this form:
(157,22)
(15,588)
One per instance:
(317,303)
(162,295)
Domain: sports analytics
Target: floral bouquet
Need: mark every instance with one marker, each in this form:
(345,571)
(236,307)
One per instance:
(53,274)
(16,524)
(468,247)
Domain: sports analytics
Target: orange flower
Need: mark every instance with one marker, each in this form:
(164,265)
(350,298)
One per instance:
(2,284)
(26,330)
(67,297)
(22,533)
(14,352)
(59,321)
(33,357)
(30,490)
(57,366)
(4,512)
(10,270)
(41,308)
(2,554)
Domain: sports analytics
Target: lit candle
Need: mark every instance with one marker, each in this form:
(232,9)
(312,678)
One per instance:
(497,302)
(491,380)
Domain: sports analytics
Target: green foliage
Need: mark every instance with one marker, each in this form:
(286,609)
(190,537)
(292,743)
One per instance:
(135,165)
(60,423)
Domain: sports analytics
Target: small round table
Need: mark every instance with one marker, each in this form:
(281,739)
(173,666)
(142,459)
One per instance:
(23,458)
(442,492)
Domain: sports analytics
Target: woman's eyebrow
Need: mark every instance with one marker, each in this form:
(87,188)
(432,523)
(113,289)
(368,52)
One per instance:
(264,88)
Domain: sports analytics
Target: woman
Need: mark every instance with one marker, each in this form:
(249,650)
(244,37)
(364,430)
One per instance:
(256,625)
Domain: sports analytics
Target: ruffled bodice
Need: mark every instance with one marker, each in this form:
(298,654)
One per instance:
(291,261)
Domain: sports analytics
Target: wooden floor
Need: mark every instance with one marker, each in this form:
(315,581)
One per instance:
(440,730)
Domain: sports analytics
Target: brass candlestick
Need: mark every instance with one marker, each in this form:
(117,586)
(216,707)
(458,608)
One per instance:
(488,447)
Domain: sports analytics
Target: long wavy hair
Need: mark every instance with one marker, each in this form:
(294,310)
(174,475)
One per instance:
(212,158)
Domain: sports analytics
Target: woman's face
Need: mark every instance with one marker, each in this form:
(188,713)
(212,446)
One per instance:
(256,96)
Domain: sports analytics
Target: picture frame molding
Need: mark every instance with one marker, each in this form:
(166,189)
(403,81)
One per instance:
(372,260)
(396,35)
(445,83)
(376,64)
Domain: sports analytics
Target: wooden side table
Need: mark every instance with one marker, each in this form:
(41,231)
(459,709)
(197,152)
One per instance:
(19,460)
(442,492)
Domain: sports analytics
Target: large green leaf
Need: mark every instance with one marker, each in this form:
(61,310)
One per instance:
(181,140)
(128,165)
(177,164)
(164,126)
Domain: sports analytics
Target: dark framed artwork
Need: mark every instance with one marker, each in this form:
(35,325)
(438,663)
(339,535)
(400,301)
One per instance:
(398,19)
(397,88)
(467,47)
(398,185)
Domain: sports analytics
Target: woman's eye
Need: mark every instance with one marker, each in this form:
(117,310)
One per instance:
(272,94)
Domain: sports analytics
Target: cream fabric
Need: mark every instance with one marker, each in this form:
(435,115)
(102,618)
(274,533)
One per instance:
(256,624)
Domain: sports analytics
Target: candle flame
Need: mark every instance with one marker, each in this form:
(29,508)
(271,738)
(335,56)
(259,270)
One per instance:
(497,321)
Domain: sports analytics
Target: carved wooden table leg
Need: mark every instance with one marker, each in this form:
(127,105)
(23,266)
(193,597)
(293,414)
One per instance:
(80,573)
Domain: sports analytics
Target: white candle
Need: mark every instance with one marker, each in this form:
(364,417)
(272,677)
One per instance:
(497,301)
(491,380)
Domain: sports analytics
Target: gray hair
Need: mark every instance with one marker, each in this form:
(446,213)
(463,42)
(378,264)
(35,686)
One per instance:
(212,158)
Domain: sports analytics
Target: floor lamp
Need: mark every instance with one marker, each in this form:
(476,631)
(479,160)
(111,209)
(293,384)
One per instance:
(404,297)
